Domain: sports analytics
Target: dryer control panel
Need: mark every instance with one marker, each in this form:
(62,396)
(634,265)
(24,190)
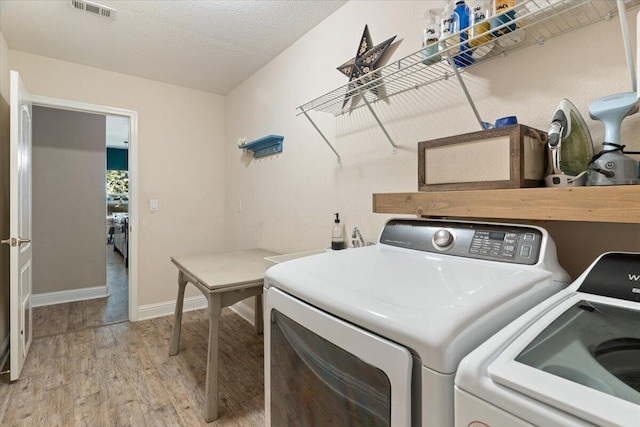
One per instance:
(496,242)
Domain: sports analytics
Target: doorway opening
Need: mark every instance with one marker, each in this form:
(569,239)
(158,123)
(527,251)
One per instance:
(119,208)
(117,214)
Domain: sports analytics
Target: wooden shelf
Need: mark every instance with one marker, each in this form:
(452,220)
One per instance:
(615,204)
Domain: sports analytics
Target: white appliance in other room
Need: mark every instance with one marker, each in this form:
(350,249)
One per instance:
(372,336)
(121,235)
(574,360)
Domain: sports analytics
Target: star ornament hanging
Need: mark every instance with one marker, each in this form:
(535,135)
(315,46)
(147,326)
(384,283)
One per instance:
(363,64)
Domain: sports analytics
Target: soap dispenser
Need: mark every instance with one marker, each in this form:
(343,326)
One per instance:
(337,234)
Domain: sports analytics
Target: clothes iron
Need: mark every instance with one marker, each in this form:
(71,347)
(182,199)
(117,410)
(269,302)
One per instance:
(611,166)
(569,146)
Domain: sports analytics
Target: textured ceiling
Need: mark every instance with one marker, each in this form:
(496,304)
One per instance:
(117,132)
(211,45)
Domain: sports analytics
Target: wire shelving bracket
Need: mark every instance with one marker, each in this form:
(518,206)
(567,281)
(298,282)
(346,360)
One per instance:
(536,22)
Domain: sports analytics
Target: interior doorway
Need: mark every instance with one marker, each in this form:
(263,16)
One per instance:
(117,214)
(121,263)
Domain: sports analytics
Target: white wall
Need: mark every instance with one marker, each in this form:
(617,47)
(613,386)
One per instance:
(288,199)
(181,164)
(4,190)
(4,67)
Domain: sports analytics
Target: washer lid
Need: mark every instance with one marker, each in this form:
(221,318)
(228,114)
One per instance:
(439,306)
(582,357)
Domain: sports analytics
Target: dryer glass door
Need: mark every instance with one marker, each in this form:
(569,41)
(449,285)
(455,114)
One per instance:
(306,368)
(322,371)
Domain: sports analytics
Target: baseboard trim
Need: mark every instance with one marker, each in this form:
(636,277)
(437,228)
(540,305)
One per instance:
(243,310)
(71,295)
(4,350)
(151,311)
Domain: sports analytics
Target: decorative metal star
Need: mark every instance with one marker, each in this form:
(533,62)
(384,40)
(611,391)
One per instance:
(363,64)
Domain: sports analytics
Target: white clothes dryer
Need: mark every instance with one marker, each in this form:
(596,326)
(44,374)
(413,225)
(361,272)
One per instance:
(372,336)
(574,360)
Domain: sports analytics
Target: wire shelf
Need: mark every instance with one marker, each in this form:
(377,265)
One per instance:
(536,21)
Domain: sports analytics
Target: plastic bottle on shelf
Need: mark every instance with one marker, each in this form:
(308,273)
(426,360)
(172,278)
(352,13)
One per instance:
(480,26)
(430,37)
(480,38)
(503,13)
(448,43)
(337,234)
(503,23)
(461,19)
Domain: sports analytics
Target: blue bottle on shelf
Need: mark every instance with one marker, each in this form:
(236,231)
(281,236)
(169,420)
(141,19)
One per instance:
(461,15)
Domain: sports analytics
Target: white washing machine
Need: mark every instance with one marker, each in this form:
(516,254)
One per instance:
(574,360)
(373,336)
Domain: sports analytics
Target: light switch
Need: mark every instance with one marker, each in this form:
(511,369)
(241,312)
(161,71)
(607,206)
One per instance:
(154,204)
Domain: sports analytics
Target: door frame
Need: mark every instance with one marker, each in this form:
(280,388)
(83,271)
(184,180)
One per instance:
(65,104)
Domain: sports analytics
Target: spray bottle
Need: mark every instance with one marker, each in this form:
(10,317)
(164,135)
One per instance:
(430,37)
(447,25)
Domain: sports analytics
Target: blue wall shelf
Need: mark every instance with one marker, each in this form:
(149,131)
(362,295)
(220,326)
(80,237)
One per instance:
(265,146)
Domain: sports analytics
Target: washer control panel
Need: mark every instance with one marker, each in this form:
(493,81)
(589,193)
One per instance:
(615,275)
(506,243)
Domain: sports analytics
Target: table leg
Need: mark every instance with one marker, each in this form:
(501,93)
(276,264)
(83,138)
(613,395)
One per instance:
(177,321)
(258,315)
(211,389)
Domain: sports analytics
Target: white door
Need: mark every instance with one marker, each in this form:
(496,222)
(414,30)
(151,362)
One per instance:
(20,225)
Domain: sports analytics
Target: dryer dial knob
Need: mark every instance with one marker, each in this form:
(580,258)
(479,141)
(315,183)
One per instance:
(442,239)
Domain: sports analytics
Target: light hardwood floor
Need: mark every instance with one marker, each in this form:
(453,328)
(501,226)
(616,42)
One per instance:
(122,375)
(74,316)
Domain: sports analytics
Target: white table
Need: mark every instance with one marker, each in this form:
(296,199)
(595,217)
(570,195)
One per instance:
(224,279)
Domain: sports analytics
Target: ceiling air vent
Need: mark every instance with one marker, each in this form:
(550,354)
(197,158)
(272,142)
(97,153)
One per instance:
(93,8)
